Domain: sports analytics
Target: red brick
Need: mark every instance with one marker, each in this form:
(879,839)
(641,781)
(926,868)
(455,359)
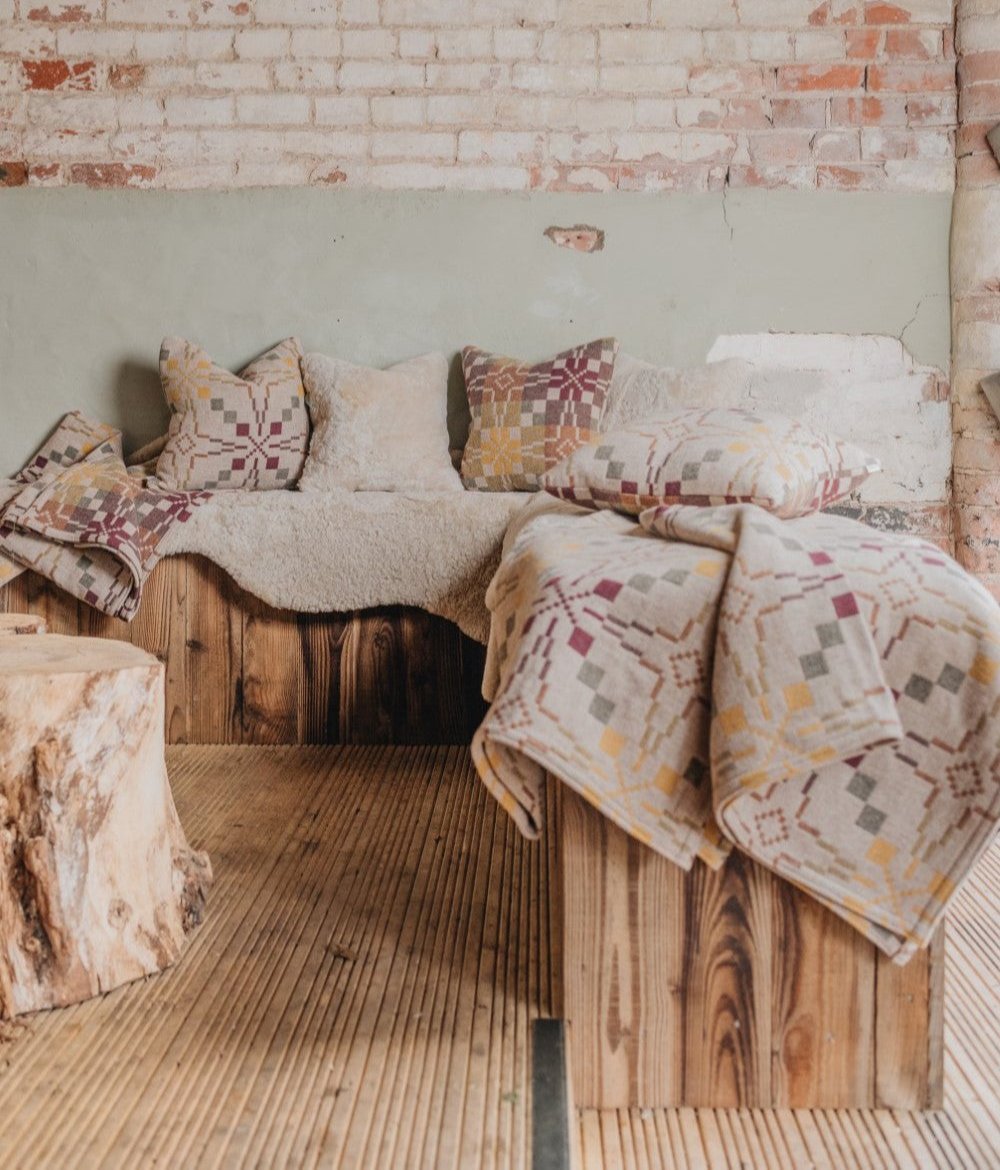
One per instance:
(881,13)
(830,13)
(795,112)
(843,178)
(112,174)
(864,42)
(820,77)
(61,13)
(126,76)
(58,74)
(977,68)
(913,44)
(867,111)
(911,78)
(13,174)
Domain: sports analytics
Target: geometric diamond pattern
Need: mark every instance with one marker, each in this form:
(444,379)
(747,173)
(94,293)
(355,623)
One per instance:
(78,494)
(526,418)
(821,696)
(246,431)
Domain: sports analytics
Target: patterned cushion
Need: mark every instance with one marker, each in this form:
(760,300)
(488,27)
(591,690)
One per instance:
(718,456)
(526,418)
(378,430)
(248,430)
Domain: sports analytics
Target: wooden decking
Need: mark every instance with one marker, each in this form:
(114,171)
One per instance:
(361,994)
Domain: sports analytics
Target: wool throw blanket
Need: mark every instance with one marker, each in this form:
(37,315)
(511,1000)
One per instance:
(77,516)
(820,695)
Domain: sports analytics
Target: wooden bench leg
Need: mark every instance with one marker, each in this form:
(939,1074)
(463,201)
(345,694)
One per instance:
(730,989)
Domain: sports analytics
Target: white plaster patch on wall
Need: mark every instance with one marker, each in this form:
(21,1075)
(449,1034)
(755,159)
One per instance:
(867,389)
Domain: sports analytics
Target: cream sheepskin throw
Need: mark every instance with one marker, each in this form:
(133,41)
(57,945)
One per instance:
(333,552)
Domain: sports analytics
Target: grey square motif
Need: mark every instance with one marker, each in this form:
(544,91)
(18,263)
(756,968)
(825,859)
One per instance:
(813,665)
(590,675)
(712,456)
(870,819)
(601,708)
(604,452)
(861,786)
(675,576)
(642,581)
(830,635)
(217,404)
(951,678)
(919,688)
(690,471)
(616,469)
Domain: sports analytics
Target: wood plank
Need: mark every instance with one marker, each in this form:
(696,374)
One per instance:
(727,979)
(321,636)
(824,1007)
(909,1030)
(372,705)
(271,671)
(623,948)
(213,655)
(729,988)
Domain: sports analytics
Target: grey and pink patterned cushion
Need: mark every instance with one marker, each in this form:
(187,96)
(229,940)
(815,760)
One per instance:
(725,455)
(526,418)
(247,431)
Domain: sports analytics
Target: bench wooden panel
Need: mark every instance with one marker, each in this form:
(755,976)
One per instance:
(730,989)
(239,671)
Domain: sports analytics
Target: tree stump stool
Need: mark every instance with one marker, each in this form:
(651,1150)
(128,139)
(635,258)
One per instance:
(21,623)
(97,883)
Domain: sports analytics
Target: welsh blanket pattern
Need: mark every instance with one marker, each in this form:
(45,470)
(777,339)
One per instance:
(823,696)
(75,515)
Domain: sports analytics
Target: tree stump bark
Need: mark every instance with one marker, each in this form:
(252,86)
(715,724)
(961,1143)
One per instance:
(97,883)
(21,623)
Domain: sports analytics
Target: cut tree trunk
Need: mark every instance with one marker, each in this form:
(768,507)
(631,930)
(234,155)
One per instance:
(97,883)
(21,623)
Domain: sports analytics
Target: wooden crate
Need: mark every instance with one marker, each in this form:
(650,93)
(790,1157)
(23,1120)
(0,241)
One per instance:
(730,988)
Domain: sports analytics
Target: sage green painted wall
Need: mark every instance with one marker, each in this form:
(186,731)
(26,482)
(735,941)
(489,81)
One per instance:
(91,281)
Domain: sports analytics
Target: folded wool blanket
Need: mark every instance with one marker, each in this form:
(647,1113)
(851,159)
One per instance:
(77,516)
(820,695)
(333,552)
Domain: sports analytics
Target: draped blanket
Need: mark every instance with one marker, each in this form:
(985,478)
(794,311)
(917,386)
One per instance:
(820,695)
(77,516)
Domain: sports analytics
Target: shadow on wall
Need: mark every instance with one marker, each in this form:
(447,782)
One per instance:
(137,395)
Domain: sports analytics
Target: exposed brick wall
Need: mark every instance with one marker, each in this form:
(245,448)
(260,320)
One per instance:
(500,94)
(976,294)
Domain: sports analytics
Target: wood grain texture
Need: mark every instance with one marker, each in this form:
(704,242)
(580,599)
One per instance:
(238,671)
(729,989)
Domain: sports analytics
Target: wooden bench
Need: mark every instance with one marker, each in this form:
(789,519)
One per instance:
(715,989)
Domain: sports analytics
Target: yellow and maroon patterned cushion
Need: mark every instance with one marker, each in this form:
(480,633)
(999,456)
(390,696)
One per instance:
(720,456)
(248,430)
(526,418)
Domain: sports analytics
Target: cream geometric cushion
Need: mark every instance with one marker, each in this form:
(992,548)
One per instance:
(378,430)
(248,430)
(713,456)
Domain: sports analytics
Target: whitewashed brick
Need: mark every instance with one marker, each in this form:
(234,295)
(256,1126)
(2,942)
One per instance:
(188,110)
(286,12)
(503,146)
(408,144)
(342,110)
(467,75)
(410,110)
(381,75)
(515,44)
(262,43)
(645,44)
(273,109)
(820,45)
(464,44)
(231,75)
(315,42)
(368,43)
(568,46)
(463,109)
(554,78)
(416,42)
(299,75)
(160,45)
(644,78)
(684,14)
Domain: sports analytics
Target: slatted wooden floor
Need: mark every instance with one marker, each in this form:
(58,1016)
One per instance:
(361,996)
